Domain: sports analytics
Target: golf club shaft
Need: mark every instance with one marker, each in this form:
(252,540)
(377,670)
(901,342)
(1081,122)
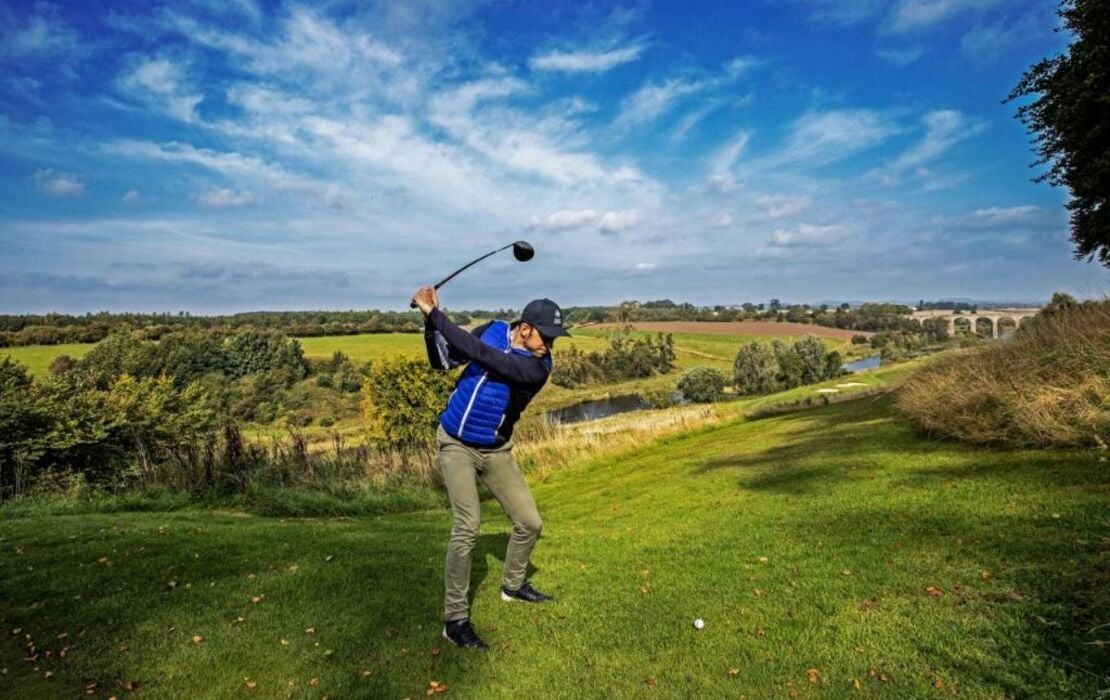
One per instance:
(451,276)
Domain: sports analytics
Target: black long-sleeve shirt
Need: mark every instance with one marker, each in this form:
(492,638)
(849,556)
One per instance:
(449,346)
(510,367)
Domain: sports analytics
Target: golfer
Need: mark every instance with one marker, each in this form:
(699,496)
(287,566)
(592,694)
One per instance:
(508,365)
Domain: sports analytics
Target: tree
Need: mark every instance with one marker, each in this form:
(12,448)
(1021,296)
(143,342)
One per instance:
(754,370)
(23,426)
(1070,118)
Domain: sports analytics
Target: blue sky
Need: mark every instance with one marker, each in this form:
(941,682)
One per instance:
(226,155)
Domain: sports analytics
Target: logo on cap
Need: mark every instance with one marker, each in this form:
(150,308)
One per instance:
(558,318)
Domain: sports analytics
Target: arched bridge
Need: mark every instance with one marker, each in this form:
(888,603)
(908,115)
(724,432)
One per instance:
(991,316)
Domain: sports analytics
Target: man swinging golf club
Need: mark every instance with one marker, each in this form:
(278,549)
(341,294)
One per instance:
(508,365)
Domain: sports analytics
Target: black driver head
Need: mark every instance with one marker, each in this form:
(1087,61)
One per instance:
(523,251)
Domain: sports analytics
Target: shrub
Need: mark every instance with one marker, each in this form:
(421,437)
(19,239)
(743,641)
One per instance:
(1049,386)
(703,384)
(402,399)
(858,339)
(660,397)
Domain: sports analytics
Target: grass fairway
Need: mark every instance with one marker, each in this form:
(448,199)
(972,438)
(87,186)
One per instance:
(829,551)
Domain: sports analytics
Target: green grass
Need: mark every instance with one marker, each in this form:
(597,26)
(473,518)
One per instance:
(855,514)
(37,358)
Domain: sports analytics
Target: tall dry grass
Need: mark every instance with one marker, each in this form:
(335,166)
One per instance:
(1048,387)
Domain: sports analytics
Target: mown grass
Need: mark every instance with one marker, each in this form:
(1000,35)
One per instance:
(824,548)
(37,358)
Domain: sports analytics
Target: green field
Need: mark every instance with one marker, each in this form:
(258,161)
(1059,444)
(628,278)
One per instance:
(692,349)
(37,358)
(828,551)
(363,348)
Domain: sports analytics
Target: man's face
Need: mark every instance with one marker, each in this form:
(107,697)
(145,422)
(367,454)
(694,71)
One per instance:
(533,341)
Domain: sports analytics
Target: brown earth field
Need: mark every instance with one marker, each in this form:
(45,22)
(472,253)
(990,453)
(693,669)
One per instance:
(736,328)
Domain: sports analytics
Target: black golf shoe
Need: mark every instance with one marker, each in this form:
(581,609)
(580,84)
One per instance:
(525,593)
(460,633)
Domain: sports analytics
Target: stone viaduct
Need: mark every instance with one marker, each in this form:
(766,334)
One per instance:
(992,316)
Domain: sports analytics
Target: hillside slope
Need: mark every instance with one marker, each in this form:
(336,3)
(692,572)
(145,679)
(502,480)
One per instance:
(824,549)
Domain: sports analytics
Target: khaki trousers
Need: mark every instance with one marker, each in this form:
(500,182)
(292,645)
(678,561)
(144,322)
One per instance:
(462,465)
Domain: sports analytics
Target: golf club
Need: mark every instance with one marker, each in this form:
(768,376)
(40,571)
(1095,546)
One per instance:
(522,251)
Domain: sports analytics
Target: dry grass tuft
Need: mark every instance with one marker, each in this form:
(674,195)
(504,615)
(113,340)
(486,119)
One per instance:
(1048,387)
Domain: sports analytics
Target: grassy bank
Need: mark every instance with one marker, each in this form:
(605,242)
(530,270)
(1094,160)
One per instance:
(827,550)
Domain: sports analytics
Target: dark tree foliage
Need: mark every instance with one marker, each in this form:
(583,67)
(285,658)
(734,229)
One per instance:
(1071,120)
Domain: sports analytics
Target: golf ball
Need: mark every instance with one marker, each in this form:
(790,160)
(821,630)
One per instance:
(699,623)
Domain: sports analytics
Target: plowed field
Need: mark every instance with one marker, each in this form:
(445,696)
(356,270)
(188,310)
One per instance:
(739,328)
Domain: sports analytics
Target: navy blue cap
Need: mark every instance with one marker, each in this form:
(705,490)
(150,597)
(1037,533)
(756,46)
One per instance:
(546,316)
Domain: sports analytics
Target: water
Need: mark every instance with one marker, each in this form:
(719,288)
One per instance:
(865,364)
(592,410)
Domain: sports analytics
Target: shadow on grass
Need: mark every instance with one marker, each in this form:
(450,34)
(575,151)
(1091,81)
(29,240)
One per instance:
(972,508)
(371,591)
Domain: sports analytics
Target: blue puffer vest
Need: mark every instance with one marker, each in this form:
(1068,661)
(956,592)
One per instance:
(477,407)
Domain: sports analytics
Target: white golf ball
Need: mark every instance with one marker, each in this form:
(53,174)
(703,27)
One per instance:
(699,623)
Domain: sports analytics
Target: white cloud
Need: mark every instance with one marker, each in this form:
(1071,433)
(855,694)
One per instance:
(654,99)
(820,138)
(943,130)
(162,82)
(235,166)
(646,266)
(1006,215)
(915,15)
(844,12)
(56,184)
(775,206)
(985,44)
(721,163)
(604,221)
(723,219)
(132,197)
(586,61)
(807,234)
(902,57)
(223,198)
(43,34)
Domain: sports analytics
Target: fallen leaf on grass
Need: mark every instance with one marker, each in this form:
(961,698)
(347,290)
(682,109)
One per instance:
(760,632)
(436,687)
(310,630)
(813,675)
(197,639)
(846,572)
(130,685)
(329,557)
(285,642)
(934,591)
(314,682)
(435,651)
(759,592)
(367,673)
(256,599)
(938,684)
(251,685)
(48,675)
(763,560)
(855,684)
(649,682)
(985,575)
(734,672)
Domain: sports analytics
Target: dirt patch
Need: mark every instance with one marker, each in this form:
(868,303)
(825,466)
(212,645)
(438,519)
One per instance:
(738,328)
